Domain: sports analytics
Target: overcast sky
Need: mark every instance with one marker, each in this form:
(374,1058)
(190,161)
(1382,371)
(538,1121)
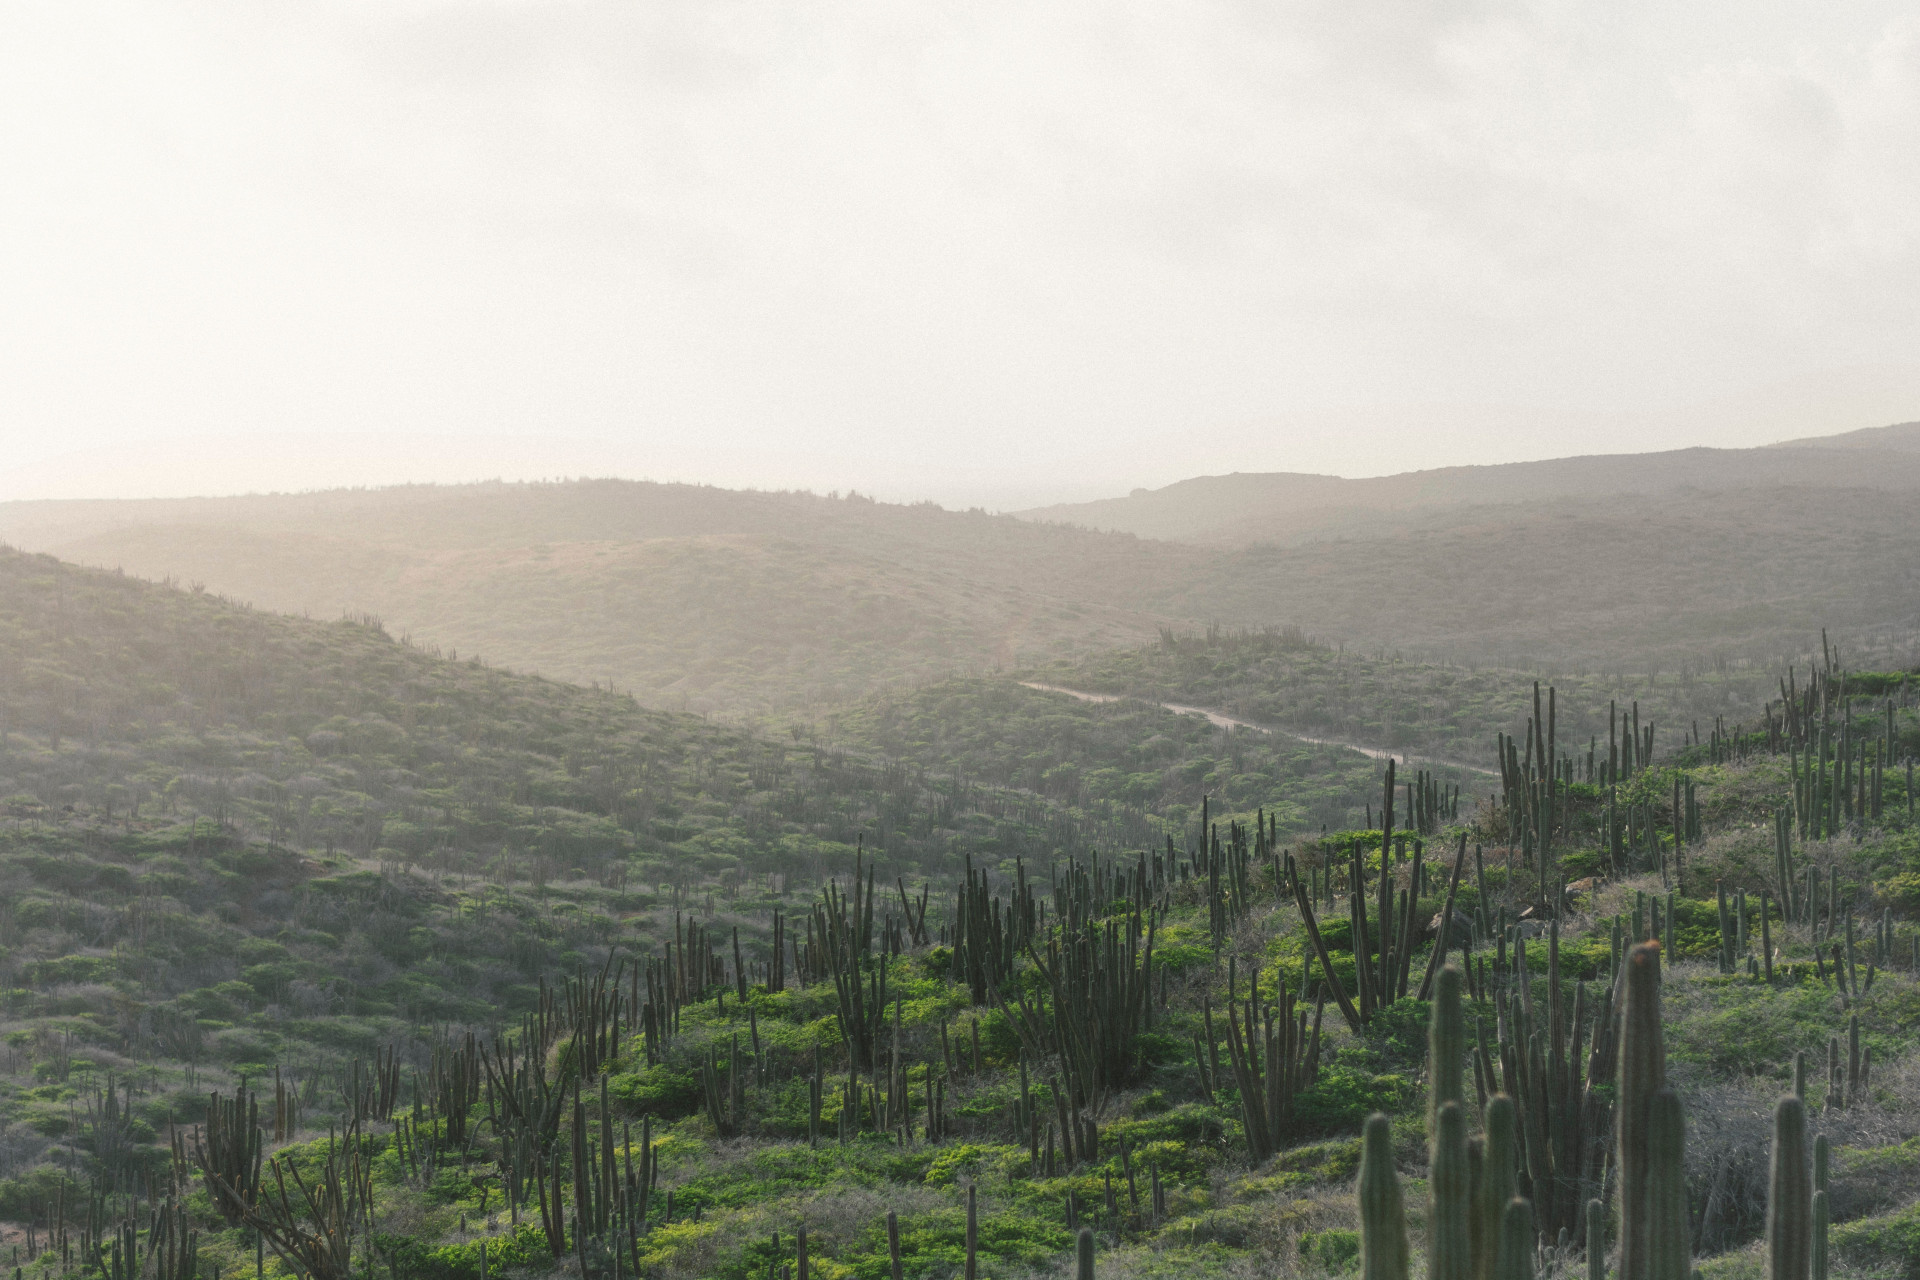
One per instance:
(983,251)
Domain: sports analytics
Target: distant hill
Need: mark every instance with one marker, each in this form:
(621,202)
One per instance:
(1239,509)
(1625,583)
(1902,437)
(692,597)
(778,607)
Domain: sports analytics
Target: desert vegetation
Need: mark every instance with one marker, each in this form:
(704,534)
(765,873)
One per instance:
(326,955)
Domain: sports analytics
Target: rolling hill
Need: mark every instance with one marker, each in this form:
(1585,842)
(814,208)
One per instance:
(771,607)
(693,598)
(1243,508)
(294,898)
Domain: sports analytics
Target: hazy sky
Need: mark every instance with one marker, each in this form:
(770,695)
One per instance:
(984,251)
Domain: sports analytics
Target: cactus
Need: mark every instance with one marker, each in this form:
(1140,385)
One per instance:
(1448,1246)
(1290,1061)
(1821,1209)
(1643,1072)
(173,1245)
(1497,1184)
(973,1231)
(1789,1213)
(1516,1241)
(316,1236)
(1383,1219)
(1669,1255)
(1084,1254)
(1596,1240)
(1856,1070)
(1817,1253)
(1446,1047)
(229,1159)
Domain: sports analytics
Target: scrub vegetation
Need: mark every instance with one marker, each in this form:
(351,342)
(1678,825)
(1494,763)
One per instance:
(325,954)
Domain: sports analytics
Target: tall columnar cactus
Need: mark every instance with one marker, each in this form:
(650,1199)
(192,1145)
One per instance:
(1789,1207)
(1516,1241)
(1446,1047)
(1856,1071)
(1669,1251)
(1643,1073)
(1449,1254)
(229,1158)
(1496,1185)
(973,1231)
(1383,1218)
(1563,1111)
(1084,1258)
(1822,1211)
(1596,1240)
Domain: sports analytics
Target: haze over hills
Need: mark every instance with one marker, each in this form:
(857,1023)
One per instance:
(1903,437)
(1243,508)
(765,604)
(689,596)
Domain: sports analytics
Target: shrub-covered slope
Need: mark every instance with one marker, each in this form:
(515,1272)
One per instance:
(505,1056)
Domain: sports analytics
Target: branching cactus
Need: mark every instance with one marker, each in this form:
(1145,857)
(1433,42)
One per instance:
(1383,1217)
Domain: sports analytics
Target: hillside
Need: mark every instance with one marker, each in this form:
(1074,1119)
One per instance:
(456,947)
(690,597)
(1903,437)
(1623,584)
(1239,509)
(1117,757)
(774,607)
(1446,711)
(131,707)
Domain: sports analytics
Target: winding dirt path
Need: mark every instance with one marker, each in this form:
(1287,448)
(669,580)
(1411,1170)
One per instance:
(1221,720)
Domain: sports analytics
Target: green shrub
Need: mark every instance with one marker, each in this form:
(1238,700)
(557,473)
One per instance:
(1889,1243)
(1333,1252)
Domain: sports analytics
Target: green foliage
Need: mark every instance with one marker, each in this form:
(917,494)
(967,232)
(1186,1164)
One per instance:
(294,844)
(1888,1243)
(414,1259)
(1331,1252)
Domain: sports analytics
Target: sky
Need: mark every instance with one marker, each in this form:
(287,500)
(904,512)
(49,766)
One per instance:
(987,252)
